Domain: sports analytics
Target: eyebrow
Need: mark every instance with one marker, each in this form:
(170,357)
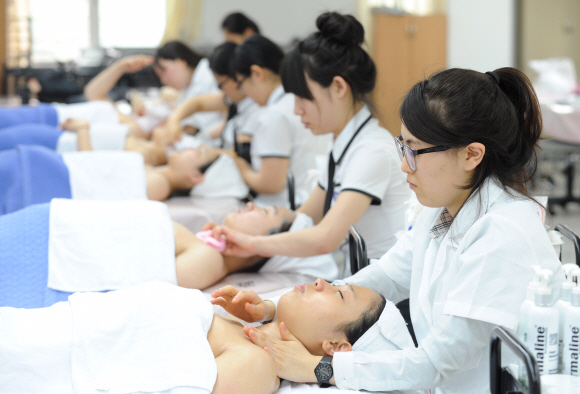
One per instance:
(351,288)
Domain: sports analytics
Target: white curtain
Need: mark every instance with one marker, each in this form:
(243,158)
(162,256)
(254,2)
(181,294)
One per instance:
(183,21)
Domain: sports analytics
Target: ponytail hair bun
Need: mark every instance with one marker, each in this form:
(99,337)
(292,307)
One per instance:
(344,29)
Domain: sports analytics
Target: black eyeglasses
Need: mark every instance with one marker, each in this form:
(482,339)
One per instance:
(406,152)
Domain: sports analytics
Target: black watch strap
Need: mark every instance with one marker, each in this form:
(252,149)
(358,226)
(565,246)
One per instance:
(324,371)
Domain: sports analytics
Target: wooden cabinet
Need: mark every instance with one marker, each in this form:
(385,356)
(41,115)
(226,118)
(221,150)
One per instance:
(406,50)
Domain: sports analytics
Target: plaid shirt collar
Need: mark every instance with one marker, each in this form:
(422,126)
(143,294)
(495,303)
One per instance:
(442,224)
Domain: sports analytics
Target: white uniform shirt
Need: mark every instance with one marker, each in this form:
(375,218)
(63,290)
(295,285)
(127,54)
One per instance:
(460,286)
(371,166)
(280,133)
(243,123)
(202,82)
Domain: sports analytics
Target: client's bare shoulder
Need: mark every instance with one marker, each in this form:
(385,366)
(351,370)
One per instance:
(242,366)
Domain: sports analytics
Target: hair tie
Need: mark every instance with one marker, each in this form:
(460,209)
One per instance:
(494,76)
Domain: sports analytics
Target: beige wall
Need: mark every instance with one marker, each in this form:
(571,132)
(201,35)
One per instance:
(549,28)
(2,39)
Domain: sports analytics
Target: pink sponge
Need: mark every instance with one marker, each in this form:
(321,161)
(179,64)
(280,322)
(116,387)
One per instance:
(218,244)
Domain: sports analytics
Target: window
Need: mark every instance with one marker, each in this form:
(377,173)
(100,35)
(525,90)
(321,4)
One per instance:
(131,23)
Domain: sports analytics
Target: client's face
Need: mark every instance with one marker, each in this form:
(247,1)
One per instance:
(316,313)
(187,162)
(256,220)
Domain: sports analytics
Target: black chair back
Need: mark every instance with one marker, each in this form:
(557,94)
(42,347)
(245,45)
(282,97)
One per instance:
(571,235)
(357,251)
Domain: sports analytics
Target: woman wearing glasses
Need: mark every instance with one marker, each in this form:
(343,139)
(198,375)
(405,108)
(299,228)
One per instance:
(467,144)
(332,78)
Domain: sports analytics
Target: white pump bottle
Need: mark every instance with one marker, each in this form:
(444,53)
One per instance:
(528,303)
(543,325)
(571,335)
(563,303)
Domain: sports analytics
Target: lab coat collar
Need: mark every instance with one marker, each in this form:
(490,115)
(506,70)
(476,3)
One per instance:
(476,206)
(341,142)
(275,96)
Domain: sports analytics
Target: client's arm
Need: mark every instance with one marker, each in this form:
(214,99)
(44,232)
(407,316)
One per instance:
(81,128)
(198,265)
(202,103)
(233,378)
(101,85)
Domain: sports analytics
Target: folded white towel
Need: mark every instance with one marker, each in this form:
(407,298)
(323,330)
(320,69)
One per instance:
(92,111)
(104,136)
(107,245)
(149,338)
(106,175)
(222,179)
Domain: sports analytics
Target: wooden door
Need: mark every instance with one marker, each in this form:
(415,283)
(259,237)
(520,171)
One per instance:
(406,49)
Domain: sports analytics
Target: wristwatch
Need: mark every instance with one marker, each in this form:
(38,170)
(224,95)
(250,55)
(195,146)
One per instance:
(323,371)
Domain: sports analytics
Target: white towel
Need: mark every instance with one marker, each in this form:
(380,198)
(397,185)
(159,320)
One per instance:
(104,136)
(389,333)
(149,338)
(35,349)
(92,111)
(322,266)
(107,245)
(106,175)
(222,179)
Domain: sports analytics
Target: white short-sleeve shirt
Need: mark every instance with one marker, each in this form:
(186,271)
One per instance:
(202,82)
(280,133)
(243,123)
(368,163)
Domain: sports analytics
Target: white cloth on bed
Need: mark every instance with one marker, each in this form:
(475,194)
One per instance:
(106,175)
(92,111)
(103,136)
(322,266)
(149,338)
(35,349)
(107,245)
(222,179)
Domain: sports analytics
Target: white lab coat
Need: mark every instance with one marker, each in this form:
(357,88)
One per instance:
(460,286)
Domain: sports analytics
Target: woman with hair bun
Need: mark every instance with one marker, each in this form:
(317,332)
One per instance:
(332,78)
(467,146)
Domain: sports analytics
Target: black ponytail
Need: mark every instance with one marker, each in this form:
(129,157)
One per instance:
(260,51)
(457,107)
(335,50)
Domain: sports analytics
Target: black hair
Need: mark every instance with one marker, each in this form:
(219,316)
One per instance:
(284,227)
(457,107)
(335,50)
(221,59)
(355,329)
(260,51)
(177,50)
(237,23)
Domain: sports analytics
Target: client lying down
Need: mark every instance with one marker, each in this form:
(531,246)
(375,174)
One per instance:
(156,337)
(48,251)
(34,175)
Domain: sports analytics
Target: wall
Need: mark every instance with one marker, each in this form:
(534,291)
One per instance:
(481,34)
(279,20)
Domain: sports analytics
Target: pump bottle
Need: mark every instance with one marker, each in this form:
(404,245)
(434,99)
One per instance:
(528,303)
(543,325)
(562,304)
(571,335)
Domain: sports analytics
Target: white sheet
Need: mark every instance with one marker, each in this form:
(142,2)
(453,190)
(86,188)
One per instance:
(104,136)
(107,245)
(140,340)
(106,175)
(221,180)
